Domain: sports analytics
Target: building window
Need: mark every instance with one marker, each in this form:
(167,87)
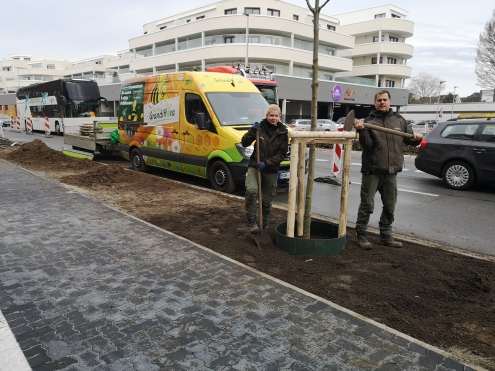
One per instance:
(389,83)
(392,60)
(188,21)
(272,40)
(375,39)
(374,60)
(252,11)
(273,12)
(200,17)
(36,65)
(331,28)
(230,11)
(254,39)
(327,77)
(379,83)
(393,39)
(381,15)
(50,66)
(6,69)
(163,27)
(395,15)
(295,17)
(329,51)
(228,39)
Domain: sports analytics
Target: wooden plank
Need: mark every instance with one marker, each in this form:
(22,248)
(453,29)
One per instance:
(344,193)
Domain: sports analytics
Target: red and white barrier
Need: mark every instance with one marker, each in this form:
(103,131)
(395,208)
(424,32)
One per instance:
(47,128)
(338,152)
(29,126)
(18,126)
(11,124)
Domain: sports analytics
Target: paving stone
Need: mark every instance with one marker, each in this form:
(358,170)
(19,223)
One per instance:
(96,289)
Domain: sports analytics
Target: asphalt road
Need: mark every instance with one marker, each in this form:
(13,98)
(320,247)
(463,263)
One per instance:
(425,209)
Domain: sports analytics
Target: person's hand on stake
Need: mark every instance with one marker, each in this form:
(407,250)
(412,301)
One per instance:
(260,166)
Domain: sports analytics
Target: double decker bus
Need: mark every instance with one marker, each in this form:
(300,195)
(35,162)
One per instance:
(262,78)
(66,103)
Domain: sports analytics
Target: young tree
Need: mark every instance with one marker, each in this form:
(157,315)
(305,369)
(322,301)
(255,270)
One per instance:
(314,113)
(485,55)
(424,87)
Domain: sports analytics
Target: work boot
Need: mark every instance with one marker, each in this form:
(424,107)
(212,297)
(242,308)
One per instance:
(253,227)
(388,240)
(363,242)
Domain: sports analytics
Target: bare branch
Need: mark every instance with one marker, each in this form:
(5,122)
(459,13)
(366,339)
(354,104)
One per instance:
(325,3)
(310,7)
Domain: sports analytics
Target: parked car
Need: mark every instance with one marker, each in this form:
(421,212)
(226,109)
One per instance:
(460,152)
(421,124)
(340,123)
(305,124)
(4,120)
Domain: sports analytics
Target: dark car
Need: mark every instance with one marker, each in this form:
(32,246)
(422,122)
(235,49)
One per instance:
(460,152)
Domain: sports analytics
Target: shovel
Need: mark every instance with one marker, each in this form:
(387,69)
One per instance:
(349,124)
(261,238)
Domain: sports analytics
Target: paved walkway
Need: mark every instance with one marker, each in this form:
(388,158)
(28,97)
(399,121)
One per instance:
(87,287)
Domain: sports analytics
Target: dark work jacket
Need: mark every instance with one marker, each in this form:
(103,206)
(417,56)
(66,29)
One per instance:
(273,149)
(384,152)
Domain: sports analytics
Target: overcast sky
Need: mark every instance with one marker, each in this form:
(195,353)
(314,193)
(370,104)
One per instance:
(445,37)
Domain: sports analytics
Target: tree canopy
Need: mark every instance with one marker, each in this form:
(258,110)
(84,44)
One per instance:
(485,55)
(424,87)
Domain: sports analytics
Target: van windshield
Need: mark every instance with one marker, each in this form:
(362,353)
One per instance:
(238,108)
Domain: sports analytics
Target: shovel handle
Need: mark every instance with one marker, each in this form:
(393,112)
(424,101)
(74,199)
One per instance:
(260,197)
(387,130)
(349,123)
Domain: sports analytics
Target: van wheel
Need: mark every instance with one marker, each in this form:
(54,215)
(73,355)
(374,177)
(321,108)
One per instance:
(57,129)
(458,175)
(221,177)
(137,161)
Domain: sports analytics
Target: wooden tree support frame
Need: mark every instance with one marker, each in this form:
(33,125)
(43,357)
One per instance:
(298,142)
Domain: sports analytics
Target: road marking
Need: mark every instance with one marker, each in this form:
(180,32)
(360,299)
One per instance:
(406,190)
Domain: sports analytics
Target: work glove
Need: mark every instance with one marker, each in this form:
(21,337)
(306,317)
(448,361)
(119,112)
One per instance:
(256,126)
(260,166)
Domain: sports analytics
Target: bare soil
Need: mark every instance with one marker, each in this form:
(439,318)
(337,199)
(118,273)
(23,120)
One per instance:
(431,293)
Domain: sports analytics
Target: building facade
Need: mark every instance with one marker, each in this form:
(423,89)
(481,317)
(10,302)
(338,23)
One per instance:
(359,53)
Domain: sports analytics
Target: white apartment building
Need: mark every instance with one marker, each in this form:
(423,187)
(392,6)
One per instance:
(359,52)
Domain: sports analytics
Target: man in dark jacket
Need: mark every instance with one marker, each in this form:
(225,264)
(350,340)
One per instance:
(274,142)
(382,159)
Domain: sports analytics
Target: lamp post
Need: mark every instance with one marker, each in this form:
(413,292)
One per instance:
(453,103)
(246,60)
(438,102)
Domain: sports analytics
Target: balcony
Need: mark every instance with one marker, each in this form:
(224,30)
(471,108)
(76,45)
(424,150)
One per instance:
(395,49)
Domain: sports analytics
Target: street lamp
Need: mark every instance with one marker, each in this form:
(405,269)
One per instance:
(453,103)
(246,60)
(438,102)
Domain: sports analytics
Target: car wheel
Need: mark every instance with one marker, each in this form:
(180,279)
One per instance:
(137,161)
(221,178)
(458,175)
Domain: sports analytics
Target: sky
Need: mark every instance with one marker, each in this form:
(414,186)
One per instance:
(445,40)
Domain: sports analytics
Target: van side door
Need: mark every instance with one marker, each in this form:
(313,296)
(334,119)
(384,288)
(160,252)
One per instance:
(196,144)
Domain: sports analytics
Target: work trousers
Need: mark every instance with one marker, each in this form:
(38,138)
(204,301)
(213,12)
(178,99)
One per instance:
(386,185)
(268,192)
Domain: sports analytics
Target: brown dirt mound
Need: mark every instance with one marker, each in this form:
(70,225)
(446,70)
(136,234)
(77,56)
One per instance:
(37,153)
(437,296)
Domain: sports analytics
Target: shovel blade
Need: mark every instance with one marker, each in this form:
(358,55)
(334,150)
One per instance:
(257,239)
(349,121)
